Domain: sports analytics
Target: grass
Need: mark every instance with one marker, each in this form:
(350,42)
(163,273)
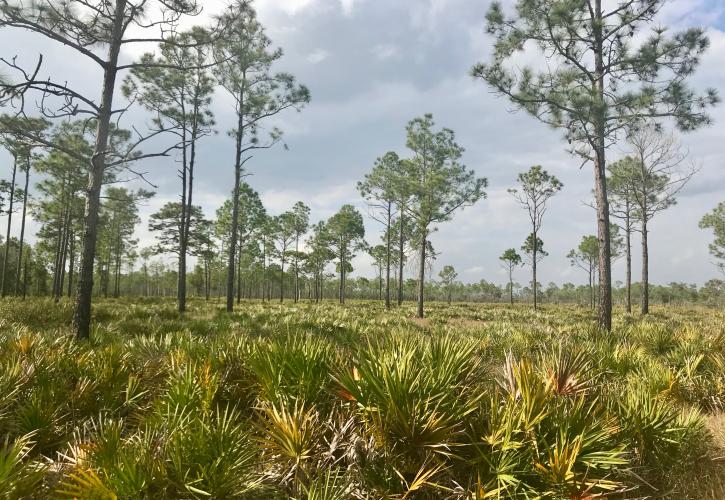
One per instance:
(327,402)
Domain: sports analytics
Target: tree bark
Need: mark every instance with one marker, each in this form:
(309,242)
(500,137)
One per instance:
(82,315)
(342,275)
(604,312)
(71,263)
(181,271)
(401,255)
(297,268)
(239,277)
(281,280)
(645,268)
(421,272)
(628,250)
(511,286)
(22,226)
(10,217)
(533,268)
(387,257)
(235,204)
(63,253)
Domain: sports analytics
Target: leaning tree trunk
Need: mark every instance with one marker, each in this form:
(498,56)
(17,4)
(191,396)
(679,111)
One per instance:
(645,269)
(7,237)
(22,227)
(82,315)
(421,272)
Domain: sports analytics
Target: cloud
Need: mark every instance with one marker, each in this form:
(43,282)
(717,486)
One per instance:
(347,6)
(318,55)
(385,51)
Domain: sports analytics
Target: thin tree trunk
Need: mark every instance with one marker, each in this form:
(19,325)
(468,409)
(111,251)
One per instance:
(264,270)
(71,264)
(239,277)
(421,272)
(645,269)
(401,251)
(235,204)
(22,226)
(63,254)
(10,218)
(56,257)
(281,280)
(342,275)
(533,268)
(387,257)
(181,271)
(628,250)
(82,316)
(297,270)
(511,286)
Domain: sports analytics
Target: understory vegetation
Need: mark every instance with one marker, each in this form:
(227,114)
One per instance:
(323,401)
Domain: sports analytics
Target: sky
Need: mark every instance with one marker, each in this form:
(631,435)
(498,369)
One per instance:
(373,65)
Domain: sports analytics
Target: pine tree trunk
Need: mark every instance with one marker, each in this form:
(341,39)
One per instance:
(533,268)
(63,253)
(239,277)
(281,281)
(645,269)
(235,204)
(604,313)
(628,250)
(71,264)
(421,272)
(181,270)
(82,315)
(511,286)
(401,250)
(22,226)
(10,218)
(342,275)
(297,270)
(387,258)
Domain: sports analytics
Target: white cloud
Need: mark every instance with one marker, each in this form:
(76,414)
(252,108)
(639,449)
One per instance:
(318,55)
(290,7)
(385,51)
(347,6)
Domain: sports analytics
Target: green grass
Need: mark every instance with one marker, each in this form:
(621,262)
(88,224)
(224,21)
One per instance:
(328,402)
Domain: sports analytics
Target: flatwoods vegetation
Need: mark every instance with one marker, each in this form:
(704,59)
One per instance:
(334,402)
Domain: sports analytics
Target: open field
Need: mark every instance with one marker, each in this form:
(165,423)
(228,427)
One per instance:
(322,401)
